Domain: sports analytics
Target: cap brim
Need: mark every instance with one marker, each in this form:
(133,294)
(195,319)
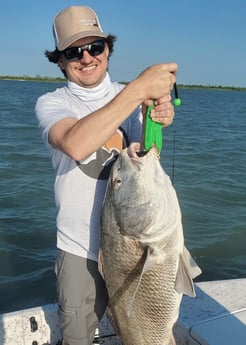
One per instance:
(66,43)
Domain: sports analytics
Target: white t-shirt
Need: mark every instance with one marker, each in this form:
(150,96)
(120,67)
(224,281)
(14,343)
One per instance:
(80,186)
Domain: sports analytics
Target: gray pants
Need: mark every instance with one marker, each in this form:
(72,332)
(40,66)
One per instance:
(82,298)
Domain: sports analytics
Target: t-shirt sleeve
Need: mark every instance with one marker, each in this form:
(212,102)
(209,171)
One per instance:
(133,126)
(50,109)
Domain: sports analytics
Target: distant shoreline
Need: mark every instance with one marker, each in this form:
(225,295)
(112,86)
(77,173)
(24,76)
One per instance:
(63,80)
(37,78)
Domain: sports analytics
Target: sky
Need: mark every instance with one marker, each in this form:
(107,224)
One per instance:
(206,38)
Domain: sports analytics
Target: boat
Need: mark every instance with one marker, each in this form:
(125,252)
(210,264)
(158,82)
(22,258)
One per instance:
(216,316)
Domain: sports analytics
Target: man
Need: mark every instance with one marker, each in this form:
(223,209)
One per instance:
(85,125)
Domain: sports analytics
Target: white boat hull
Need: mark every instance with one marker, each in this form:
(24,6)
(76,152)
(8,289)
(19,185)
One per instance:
(39,326)
(217,316)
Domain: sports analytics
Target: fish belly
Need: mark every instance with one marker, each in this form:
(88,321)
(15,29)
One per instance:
(155,308)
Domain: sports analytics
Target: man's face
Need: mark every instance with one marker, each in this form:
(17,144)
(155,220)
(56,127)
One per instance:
(89,70)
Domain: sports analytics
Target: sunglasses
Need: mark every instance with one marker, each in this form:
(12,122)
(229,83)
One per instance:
(76,53)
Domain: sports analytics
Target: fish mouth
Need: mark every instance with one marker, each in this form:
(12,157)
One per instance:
(135,151)
(141,153)
(152,152)
(139,159)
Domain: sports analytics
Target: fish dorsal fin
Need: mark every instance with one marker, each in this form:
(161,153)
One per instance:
(146,266)
(187,270)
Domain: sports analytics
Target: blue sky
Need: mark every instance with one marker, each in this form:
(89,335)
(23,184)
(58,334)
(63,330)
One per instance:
(207,38)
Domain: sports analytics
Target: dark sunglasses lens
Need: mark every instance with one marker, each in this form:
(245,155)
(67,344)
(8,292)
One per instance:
(97,48)
(76,53)
(73,53)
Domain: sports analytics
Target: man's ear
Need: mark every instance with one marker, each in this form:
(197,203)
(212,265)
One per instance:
(61,63)
(107,51)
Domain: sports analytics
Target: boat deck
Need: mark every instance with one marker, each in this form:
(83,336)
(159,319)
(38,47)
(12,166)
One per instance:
(215,317)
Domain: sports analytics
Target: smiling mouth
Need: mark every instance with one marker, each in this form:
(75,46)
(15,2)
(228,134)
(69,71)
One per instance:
(88,68)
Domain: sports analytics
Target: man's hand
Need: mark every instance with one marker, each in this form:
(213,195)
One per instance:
(163,112)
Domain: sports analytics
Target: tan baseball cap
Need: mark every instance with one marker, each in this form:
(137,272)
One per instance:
(73,23)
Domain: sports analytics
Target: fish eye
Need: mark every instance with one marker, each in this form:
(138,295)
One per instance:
(117,182)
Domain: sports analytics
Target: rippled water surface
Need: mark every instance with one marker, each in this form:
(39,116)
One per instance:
(204,152)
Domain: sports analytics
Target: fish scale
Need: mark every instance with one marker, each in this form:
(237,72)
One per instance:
(142,256)
(161,308)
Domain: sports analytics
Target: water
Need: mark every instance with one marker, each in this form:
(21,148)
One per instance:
(204,152)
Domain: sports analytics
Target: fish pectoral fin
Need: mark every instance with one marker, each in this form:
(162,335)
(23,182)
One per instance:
(100,265)
(153,256)
(146,266)
(187,270)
